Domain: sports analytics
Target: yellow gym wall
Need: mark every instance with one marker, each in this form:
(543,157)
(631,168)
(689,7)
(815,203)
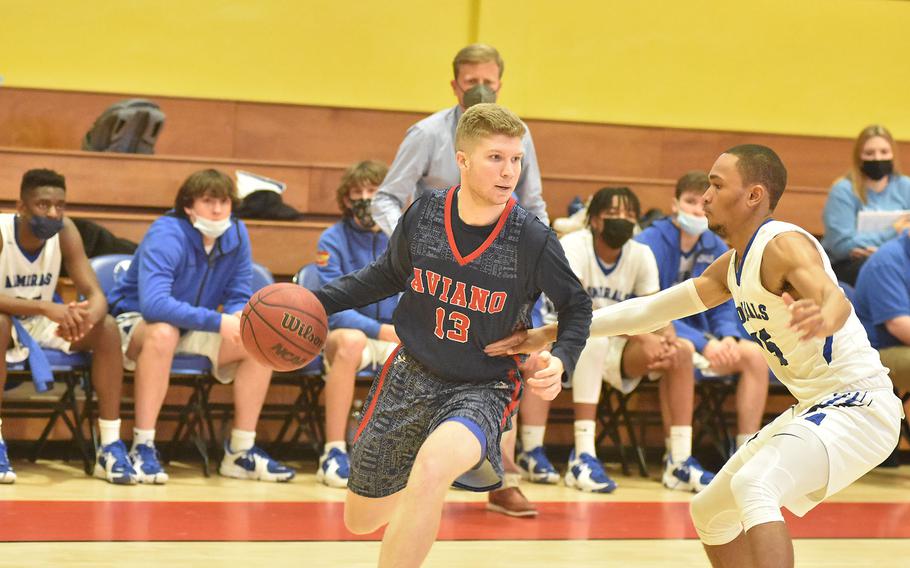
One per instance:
(825,67)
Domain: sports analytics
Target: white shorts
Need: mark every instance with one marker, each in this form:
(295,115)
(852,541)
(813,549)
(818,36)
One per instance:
(603,356)
(42,330)
(374,354)
(859,429)
(205,343)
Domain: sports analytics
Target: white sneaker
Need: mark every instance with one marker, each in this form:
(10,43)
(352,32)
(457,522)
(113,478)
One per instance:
(586,473)
(253,463)
(536,467)
(147,465)
(113,464)
(686,476)
(7,475)
(334,468)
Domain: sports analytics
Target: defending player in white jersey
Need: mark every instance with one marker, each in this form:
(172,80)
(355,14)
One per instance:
(847,418)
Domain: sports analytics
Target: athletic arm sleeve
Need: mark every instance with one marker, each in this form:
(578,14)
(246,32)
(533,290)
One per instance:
(385,276)
(400,184)
(572,304)
(648,314)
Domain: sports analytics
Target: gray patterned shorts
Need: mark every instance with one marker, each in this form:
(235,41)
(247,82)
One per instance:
(406,403)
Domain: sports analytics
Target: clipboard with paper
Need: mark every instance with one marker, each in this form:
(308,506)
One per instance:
(873,221)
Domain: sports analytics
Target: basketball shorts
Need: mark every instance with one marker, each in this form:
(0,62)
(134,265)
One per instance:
(602,357)
(205,343)
(406,404)
(859,428)
(42,330)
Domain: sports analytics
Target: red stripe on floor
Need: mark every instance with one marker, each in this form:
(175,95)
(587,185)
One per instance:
(29,521)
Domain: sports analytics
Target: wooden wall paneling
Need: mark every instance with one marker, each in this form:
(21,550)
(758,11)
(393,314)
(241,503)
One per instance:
(37,118)
(319,134)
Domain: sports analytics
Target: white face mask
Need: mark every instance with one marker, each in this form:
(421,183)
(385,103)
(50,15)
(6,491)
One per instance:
(212,229)
(692,224)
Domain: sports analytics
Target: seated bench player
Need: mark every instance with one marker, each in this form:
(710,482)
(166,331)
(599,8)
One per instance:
(35,240)
(192,260)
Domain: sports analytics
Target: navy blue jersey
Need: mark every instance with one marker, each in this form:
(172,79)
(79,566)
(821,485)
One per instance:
(455,302)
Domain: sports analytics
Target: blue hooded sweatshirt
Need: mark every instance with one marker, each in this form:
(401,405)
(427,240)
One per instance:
(344,248)
(663,238)
(172,279)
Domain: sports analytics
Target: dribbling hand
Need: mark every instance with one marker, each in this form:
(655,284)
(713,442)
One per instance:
(547,382)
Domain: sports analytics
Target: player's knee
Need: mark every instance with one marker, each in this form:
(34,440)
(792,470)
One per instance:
(756,499)
(161,337)
(347,343)
(429,472)
(716,519)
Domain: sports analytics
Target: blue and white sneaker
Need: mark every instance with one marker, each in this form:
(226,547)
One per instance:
(253,463)
(334,468)
(686,476)
(7,475)
(586,473)
(147,465)
(535,466)
(113,464)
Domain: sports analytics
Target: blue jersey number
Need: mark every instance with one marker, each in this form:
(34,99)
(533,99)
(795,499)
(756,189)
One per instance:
(763,338)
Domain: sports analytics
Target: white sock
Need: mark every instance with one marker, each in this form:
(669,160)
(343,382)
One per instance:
(532,437)
(584,437)
(1,430)
(510,480)
(741,439)
(680,443)
(146,437)
(340,445)
(110,431)
(667,444)
(241,440)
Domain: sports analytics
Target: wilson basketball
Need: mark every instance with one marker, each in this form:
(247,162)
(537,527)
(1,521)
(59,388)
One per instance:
(283,326)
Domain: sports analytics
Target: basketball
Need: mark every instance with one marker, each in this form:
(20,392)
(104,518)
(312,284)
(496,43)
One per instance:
(283,326)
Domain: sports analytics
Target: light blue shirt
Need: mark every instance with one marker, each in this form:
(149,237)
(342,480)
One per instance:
(843,207)
(426,161)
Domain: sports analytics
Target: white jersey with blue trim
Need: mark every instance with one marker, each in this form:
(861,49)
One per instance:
(24,277)
(809,369)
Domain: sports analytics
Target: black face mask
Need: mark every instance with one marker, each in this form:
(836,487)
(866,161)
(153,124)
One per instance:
(877,169)
(45,227)
(616,232)
(360,208)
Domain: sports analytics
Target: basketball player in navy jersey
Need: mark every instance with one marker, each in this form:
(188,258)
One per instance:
(35,240)
(470,263)
(847,418)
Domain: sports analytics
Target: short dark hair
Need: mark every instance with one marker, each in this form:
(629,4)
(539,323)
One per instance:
(693,181)
(759,164)
(33,179)
(603,199)
(206,182)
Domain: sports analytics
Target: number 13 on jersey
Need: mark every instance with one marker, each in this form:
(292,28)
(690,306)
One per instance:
(455,329)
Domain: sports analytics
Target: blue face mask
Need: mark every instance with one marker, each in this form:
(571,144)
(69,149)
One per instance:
(692,224)
(45,227)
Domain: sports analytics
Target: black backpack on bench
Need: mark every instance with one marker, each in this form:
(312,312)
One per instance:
(131,126)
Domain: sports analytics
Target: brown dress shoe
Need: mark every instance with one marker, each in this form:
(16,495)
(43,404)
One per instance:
(510,501)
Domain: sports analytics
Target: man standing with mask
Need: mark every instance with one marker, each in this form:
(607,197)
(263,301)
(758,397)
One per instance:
(684,248)
(426,157)
(612,268)
(361,337)
(35,240)
(192,260)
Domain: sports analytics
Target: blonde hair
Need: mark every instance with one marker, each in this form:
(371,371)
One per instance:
(477,53)
(484,120)
(855,174)
(361,173)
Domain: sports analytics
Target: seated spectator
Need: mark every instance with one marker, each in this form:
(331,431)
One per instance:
(191,261)
(358,338)
(35,240)
(882,303)
(872,184)
(612,267)
(684,248)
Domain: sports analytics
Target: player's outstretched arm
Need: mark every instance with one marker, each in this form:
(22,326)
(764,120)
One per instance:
(792,266)
(637,315)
